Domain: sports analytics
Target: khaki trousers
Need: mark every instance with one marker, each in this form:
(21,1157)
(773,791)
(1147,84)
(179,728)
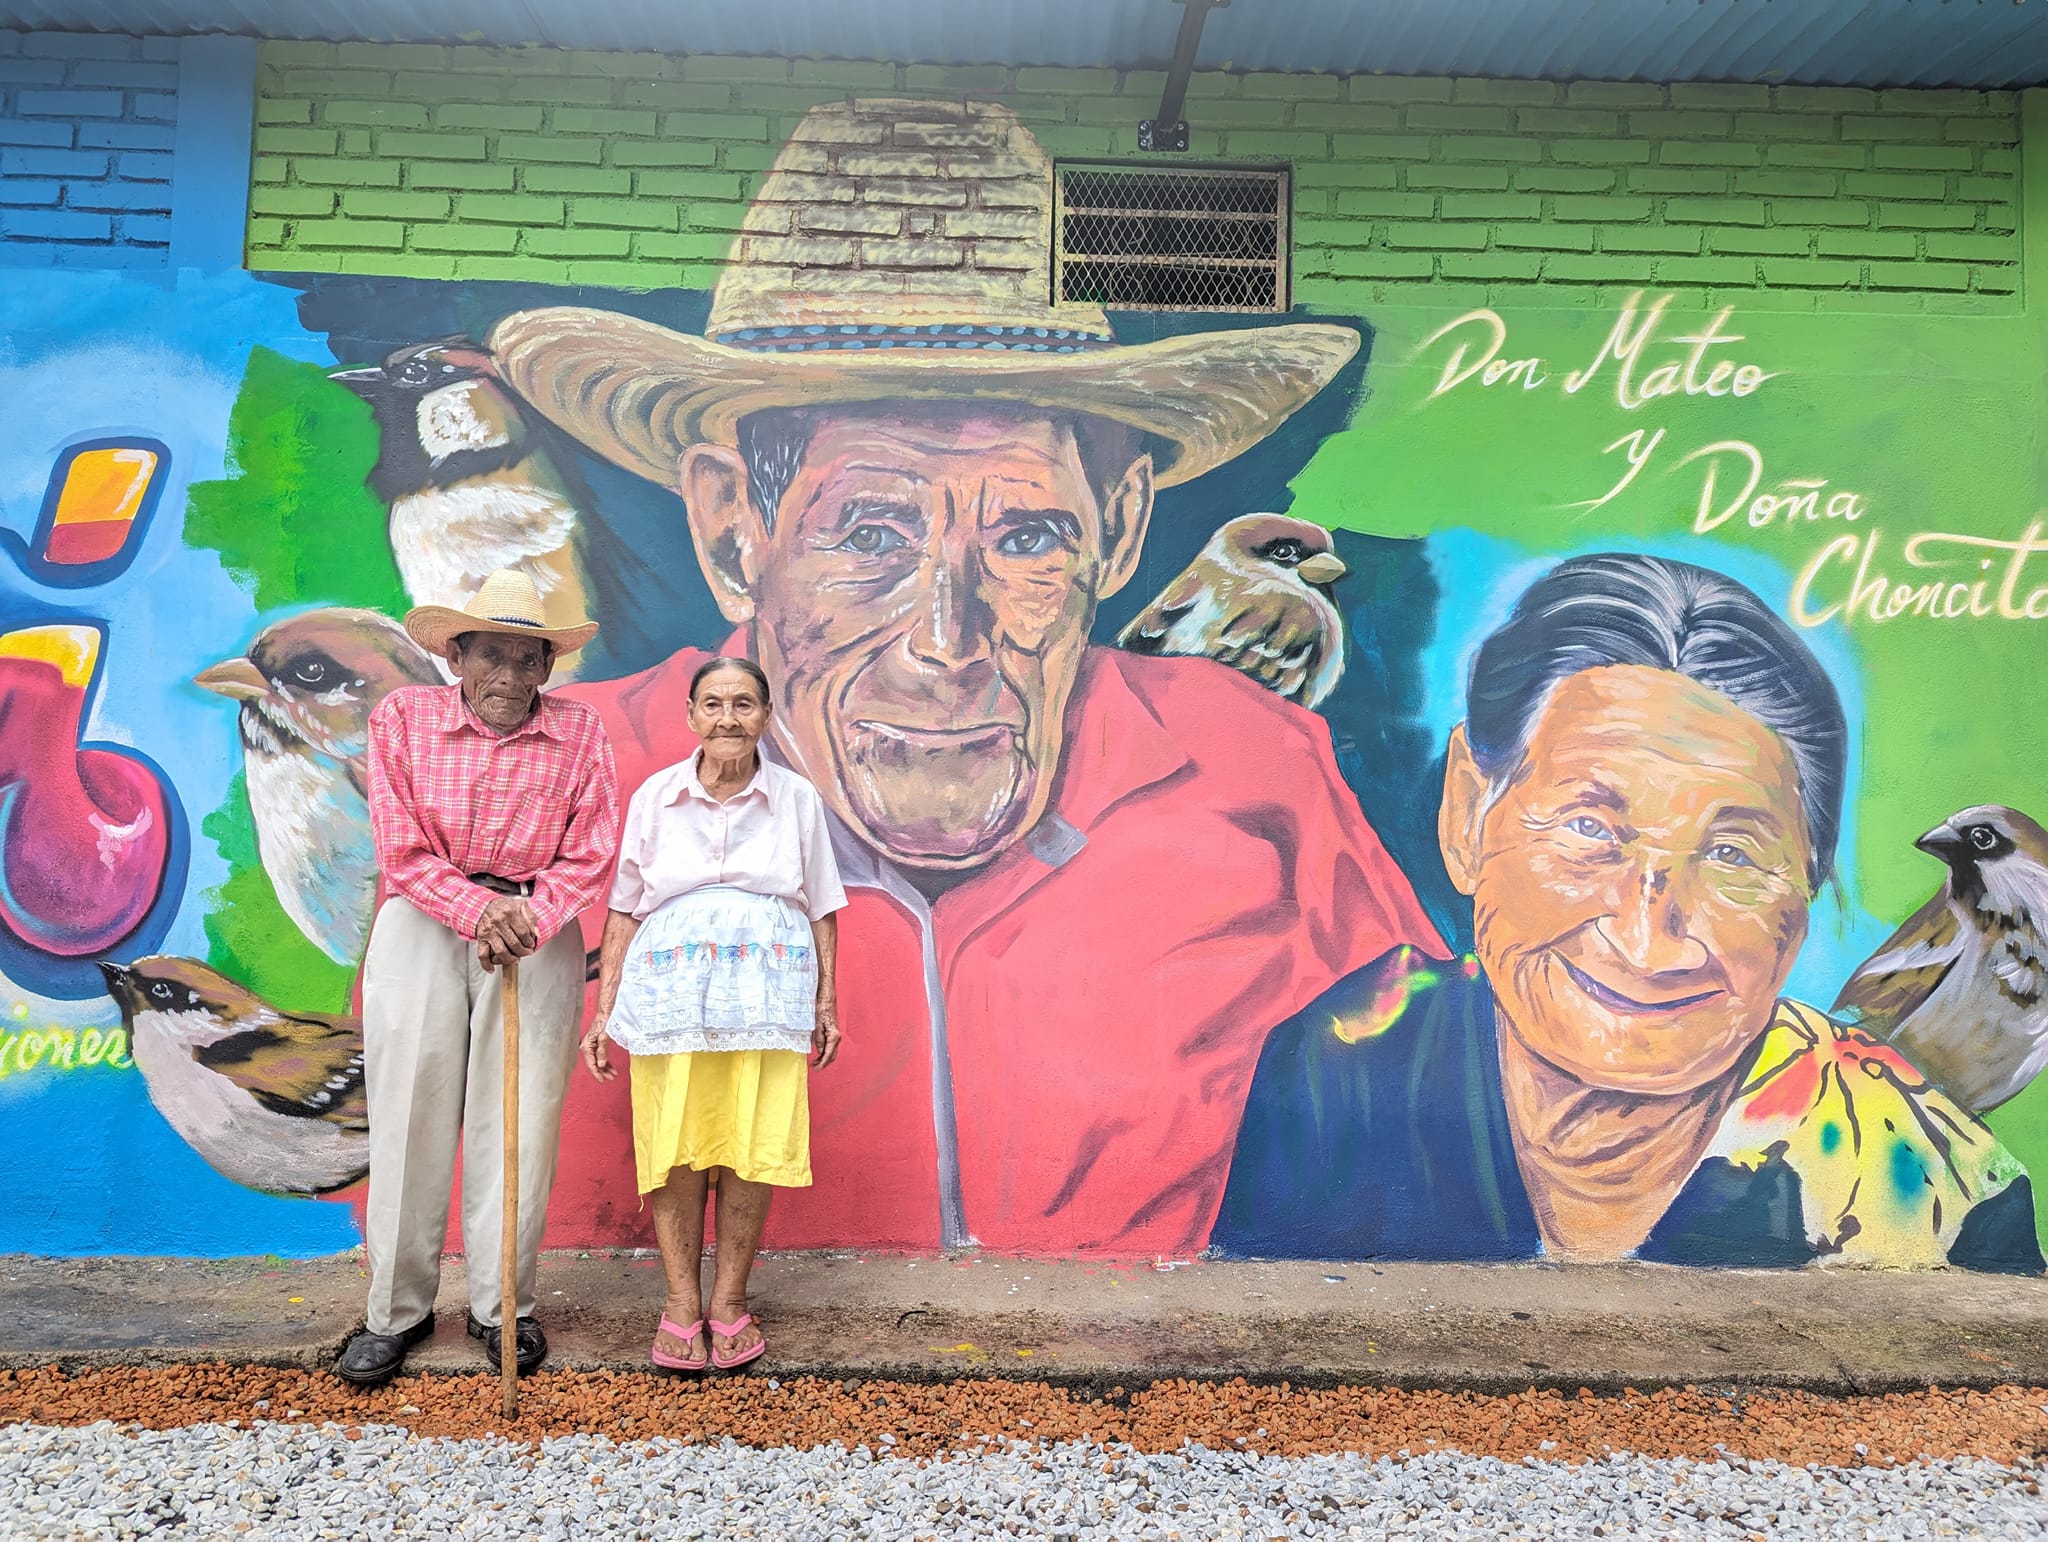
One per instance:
(433,1043)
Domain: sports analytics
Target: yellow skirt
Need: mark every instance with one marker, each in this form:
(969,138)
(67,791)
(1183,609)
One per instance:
(744,1109)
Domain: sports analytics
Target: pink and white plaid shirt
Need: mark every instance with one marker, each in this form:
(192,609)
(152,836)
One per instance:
(448,798)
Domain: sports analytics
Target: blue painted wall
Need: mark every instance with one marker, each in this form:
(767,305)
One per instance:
(103,137)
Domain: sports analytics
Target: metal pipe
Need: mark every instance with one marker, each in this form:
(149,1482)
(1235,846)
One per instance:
(1168,130)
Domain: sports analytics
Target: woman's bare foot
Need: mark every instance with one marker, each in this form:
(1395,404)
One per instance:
(728,1348)
(694,1352)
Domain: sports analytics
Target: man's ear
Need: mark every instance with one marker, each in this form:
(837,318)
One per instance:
(1126,515)
(725,527)
(1461,818)
(451,650)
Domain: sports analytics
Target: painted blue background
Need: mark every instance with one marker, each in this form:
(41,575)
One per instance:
(88,1164)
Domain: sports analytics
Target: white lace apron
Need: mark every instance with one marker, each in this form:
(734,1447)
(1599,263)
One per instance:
(718,969)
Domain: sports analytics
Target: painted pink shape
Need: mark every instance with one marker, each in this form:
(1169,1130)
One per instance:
(84,833)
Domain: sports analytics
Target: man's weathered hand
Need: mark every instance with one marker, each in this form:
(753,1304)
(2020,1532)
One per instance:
(825,1036)
(507,931)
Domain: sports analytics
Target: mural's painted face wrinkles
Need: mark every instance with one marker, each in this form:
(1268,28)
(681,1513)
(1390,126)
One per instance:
(923,609)
(1641,888)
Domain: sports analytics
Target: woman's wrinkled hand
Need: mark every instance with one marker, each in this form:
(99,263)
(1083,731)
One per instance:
(825,1036)
(597,1052)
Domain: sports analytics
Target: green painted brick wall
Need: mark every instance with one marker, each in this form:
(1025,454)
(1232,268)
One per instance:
(634,170)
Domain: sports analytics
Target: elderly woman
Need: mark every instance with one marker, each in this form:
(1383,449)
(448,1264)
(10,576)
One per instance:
(717,979)
(1642,802)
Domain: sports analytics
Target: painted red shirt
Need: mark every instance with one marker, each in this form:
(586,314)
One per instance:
(1108,983)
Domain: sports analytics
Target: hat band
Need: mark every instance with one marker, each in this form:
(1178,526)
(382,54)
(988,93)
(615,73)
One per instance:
(512,621)
(854,339)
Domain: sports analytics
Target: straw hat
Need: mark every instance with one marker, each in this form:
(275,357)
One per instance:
(506,602)
(902,250)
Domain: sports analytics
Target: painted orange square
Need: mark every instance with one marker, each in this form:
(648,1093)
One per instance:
(96,507)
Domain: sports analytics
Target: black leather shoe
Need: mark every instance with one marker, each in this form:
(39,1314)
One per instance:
(371,1359)
(532,1344)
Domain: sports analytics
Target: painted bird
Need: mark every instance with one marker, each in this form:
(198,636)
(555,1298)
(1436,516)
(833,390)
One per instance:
(1962,987)
(306,686)
(1257,598)
(272,1100)
(473,481)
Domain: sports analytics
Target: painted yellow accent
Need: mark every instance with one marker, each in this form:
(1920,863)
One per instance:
(57,1048)
(1389,1000)
(71,648)
(105,485)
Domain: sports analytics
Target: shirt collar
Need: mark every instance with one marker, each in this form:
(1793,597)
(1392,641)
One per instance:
(761,785)
(454,714)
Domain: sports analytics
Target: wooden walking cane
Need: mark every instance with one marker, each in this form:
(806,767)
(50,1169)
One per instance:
(508,1247)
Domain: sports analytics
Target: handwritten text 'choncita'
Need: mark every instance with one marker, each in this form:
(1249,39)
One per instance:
(1965,583)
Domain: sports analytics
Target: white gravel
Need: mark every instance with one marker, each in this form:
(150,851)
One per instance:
(277,1481)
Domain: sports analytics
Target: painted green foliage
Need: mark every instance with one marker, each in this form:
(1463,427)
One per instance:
(249,937)
(294,525)
(290,520)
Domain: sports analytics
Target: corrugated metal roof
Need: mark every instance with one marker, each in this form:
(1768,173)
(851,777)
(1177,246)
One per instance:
(1974,43)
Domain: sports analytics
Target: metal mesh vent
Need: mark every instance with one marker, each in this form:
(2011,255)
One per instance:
(1171,239)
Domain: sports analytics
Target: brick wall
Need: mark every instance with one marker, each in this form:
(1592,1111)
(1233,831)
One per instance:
(1724,187)
(634,169)
(87,123)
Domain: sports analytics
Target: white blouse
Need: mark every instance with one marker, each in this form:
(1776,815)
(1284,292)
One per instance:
(769,838)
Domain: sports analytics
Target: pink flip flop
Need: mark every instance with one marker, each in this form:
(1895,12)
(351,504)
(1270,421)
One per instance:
(733,1329)
(683,1335)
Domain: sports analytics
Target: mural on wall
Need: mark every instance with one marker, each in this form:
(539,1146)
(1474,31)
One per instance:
(91,836)
(271,1099)
(1961,986)
(306,688)
(1257,598)
(470,480)
(1642,801)
(1270,824)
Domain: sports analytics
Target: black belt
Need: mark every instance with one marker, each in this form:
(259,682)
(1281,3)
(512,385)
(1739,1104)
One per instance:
(517,888)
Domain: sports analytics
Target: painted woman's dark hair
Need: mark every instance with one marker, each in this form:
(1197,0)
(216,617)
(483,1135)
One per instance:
(1622,608)
(724,661)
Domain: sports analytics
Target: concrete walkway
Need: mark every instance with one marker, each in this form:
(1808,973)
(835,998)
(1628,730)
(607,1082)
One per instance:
(1491,1328)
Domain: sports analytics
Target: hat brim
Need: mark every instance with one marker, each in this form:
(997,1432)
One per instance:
(434,626)
(639,394)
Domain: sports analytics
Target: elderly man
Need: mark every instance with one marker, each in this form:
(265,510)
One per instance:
(1084,884)
(496,818)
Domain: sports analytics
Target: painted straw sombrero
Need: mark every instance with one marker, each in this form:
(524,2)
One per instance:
(901,250)
(508,602)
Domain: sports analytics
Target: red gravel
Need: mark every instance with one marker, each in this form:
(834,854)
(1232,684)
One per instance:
(2006,1424)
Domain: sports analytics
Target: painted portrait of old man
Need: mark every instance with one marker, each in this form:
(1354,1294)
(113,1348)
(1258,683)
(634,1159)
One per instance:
(1086,881)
